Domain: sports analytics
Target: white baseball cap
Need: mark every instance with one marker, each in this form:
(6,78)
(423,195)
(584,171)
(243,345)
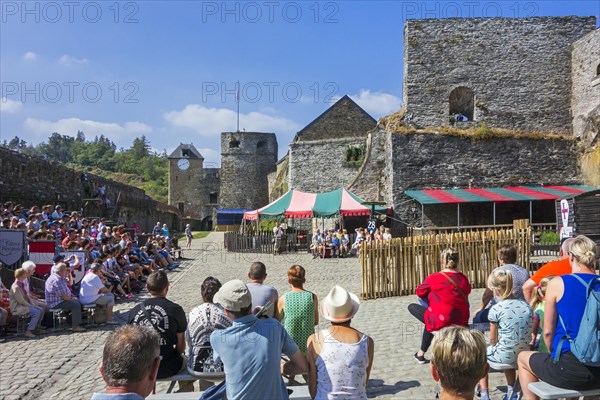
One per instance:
(233,296)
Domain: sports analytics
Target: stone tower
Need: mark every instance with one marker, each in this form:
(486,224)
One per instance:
(186,181)
(512,73)
(246,160)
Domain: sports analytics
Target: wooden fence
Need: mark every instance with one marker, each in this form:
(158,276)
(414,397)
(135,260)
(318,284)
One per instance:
(537,227)
(395,267)
(263,242)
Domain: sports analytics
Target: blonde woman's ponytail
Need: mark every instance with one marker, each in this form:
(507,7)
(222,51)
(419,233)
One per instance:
(449,258)
(502,281)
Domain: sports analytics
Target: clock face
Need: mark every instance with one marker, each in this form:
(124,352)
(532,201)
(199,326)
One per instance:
(183,164)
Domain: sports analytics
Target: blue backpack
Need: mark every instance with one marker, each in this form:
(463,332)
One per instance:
(586,346)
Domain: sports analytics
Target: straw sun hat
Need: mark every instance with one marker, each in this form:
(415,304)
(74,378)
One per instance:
(339,305)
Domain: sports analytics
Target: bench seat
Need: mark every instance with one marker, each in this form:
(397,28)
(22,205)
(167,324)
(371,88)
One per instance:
(299,393)
(547,391)
(187,377)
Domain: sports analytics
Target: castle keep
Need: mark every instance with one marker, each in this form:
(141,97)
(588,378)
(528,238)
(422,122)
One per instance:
(507,72)
(246,160)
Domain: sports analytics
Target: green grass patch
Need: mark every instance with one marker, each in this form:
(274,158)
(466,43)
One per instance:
(200,234)
(395,123)
(549,237)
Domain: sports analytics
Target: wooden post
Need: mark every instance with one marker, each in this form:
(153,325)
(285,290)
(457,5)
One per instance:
(395,267)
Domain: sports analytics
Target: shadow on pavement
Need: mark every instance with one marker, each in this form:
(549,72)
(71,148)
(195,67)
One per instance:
(377,387)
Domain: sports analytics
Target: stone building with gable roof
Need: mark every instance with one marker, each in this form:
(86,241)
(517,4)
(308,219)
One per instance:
(327,153)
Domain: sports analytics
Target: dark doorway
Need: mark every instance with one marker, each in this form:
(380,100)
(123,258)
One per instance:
(207,224)
(462,101)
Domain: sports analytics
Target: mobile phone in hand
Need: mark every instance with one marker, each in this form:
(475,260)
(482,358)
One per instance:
(263,310)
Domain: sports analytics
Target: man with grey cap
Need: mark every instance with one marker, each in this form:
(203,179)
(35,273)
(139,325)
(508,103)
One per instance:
(251,348)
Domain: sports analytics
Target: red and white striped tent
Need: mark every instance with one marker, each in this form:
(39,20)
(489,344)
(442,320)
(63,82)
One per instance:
(297,204)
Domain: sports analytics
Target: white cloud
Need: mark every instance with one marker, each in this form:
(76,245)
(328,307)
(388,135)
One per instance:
(212,157)
(10,106)
(120,134)
(68,60)
(377,104)
(268,110)
(210,122)
(29,56)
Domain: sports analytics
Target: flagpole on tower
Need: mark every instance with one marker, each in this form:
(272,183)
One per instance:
(237,100)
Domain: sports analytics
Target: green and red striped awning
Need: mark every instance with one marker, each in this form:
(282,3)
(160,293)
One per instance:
(297,204)
(495,195)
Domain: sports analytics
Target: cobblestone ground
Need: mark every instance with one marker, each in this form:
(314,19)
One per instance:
(65,365)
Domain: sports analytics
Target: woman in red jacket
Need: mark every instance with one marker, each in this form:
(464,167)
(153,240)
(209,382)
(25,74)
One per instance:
(447,295)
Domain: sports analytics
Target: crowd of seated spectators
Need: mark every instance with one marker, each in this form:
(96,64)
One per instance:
(338,359)
(116,266)
(335,362)
(51,223)
(336,243)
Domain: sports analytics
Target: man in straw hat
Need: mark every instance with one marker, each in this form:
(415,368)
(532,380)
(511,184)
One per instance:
(251,348)
(339,357)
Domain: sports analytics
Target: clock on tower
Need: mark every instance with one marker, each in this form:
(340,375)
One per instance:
(183,164)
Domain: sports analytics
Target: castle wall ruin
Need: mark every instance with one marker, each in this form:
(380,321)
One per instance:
(517,69)
(427,160)
(435,161)
(585,99)
(34,181)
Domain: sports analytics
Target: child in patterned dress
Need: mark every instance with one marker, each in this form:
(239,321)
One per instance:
(510,330)
(538,302)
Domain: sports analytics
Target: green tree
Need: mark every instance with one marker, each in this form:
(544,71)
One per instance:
(137,165)
(58,148)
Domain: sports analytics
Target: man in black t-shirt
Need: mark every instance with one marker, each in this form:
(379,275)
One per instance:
(168,319)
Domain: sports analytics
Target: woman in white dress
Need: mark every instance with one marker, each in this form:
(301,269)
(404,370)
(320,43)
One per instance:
(339,357)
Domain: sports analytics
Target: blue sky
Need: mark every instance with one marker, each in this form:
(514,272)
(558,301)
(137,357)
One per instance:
(168,70)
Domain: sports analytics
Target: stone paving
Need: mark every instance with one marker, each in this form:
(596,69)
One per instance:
(65,365)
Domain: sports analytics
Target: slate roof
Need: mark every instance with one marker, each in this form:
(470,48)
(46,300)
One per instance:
(338,104)
(182,149)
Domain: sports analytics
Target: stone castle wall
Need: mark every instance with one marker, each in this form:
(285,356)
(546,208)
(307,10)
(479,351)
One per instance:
(246,160)
(397,162)
(590,166)
(434,161)
(585,100)
(320,165)
(373,180)
(518,69)
(279,179)
(34,181)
